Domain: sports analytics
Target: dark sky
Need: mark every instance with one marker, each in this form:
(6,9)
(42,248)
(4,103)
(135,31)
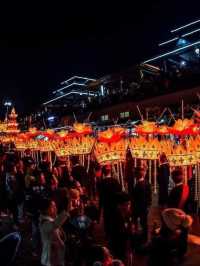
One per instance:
(41,45)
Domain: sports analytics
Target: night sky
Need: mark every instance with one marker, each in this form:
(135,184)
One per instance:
(41,45)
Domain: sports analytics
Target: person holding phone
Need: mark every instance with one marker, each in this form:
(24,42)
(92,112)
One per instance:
(52,235)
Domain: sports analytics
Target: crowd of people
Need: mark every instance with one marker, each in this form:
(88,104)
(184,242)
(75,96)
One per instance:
(64,204)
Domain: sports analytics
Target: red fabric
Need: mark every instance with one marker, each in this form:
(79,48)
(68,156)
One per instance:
(114,138)
(184,196)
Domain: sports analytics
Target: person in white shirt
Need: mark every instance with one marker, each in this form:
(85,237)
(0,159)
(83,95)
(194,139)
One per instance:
(52,235)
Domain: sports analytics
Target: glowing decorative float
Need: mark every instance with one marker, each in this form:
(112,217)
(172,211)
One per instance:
(146,128)
(111,148)
(81,141)
(141,148)
(178,155)
(12,125)
(184,127)
(162,130)
(146,149)
(3,127)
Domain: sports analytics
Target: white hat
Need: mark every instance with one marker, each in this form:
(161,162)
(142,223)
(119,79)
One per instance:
(176,218)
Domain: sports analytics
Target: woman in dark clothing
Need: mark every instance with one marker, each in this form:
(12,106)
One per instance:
(163,180)
(121,230)
(179,195)
(11,190)
(170,242)
(141,200)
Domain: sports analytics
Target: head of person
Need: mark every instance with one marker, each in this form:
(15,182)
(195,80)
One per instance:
(74,160)
(177,175)
(53,183)
(27,152)
(48,208)
(44,156)
(176,219)
(140,172)
(12,169)
(74,195)
(98,171)
(32,166)
(55,171)
(100,255)
(70,178)
(62,199)
(20,164)
(41,179)
(123,202)
(163,158)
(107,170)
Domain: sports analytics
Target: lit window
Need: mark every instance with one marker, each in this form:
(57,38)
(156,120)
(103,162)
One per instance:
(104,117)
(124,114)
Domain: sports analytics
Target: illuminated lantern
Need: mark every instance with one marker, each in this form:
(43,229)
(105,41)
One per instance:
(146,128)
(182,155)
(20,144)
(141,148)
(49,133)
(183,127)
(109,152)
(80,142)
(62,151)
(33,130)
(111,148)
(32,145)
(82,128)
(62,134)
(195,144)
(44,146)
(149,150)
(162,130)
(12,125)
(81,145)
(178,155)
(3,127)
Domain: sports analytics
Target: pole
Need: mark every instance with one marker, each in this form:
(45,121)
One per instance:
(182,109)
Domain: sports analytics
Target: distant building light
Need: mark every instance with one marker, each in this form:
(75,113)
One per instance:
(197,51)
(102,90)
(51,118)
(104,118)
(183,63)
(185,26)
(172,52)
(181,42)
(124,115)
(190,33)
(169,41)
(8,103)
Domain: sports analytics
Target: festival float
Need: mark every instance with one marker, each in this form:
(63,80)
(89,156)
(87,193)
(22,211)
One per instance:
(180,143)
(146,148)
(111,148)
(79,142)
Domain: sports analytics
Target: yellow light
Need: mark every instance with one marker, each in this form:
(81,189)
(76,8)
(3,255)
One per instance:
(109,152)
(143,149)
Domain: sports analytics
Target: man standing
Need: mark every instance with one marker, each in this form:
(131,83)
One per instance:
(108,188)
(179,195)
(141,198)
(163,180)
